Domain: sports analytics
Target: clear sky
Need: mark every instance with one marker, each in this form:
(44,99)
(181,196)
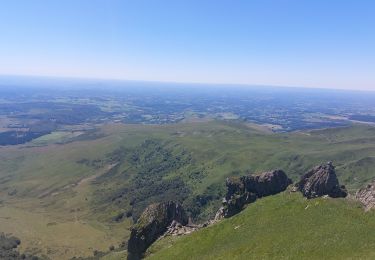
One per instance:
(312,43)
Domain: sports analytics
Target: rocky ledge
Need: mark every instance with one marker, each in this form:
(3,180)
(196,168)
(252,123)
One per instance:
(246,189)
(319,181)
(366,196)
(153,223)
(169,218)
(177,229)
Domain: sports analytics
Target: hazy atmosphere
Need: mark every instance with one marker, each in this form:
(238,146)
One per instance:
(318,43)
(187,130)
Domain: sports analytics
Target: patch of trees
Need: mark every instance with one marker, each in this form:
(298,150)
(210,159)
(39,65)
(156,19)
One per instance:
(96,163)
(8,249)
(67,115)
(61,113)
(151,190)
(150,177)
(210,197)
(19,137)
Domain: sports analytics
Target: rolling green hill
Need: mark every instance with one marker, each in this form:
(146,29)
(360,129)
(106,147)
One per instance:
(81,194)
(284,226)
(189,162)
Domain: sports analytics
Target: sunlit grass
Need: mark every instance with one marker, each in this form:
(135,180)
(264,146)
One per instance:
(284,226)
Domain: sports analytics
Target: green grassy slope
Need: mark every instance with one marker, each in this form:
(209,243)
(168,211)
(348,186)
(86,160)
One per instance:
(284,226)
(45,199)
(190,162)
(82,185)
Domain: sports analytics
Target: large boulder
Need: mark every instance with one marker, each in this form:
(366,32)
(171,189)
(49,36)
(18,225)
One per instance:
(153,223)
(319,181)
(267,183)
(246,189)
(366,196)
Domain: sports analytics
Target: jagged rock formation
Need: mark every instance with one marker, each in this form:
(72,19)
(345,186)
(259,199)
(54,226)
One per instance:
(246,189)
(153,223)
(177,229)
(366,196)
(163,219)
(319,181)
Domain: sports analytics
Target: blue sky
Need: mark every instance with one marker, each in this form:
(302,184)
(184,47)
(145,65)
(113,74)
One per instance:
(311,43)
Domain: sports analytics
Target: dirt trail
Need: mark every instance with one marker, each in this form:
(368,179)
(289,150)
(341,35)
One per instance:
(93,177)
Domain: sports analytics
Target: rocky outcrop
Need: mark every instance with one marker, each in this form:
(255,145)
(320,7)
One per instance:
(246,189)
(153,223)
(177,229)
(366,196)
(319,181)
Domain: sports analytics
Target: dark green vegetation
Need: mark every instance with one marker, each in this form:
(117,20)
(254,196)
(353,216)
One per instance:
(283,226)
(149,176)
(15,137)
(8,245)
(22,122)
(190,162)
(82,195)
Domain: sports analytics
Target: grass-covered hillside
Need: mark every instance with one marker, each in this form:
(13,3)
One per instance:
(284,226)
(68,196)
(189,162)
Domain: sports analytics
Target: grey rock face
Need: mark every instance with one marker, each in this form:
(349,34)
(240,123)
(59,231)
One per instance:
(366,196)
(267,183)
(176,229)
(246,189)
(321,180)
(153,223)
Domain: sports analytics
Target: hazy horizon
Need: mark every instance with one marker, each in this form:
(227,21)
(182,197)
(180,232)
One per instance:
(42,80)
(315,44)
